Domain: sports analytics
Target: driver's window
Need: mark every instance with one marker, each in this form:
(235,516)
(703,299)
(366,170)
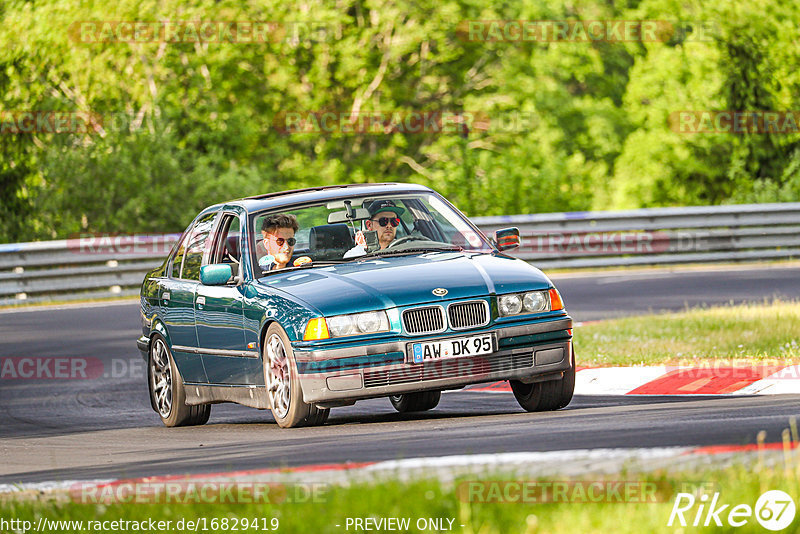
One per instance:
(228,249)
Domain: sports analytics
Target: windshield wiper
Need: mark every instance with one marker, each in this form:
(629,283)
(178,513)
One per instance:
(415,250)
(304,266)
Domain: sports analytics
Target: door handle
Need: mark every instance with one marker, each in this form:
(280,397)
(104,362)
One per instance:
(201,301)
(165,295)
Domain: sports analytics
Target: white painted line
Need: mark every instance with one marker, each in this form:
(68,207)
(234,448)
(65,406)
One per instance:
(786,381)
(493,461)
(615,380)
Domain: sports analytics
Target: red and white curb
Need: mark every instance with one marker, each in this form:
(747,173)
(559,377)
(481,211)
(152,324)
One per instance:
(574,463)
(758,379)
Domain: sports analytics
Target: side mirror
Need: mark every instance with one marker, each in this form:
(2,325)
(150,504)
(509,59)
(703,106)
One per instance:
(507,238)
(215,275)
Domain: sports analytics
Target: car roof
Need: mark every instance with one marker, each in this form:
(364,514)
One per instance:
(315,194)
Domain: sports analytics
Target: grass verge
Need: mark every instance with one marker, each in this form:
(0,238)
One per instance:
(748,332)
(641,502)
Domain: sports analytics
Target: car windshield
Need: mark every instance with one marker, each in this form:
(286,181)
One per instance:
(349,229)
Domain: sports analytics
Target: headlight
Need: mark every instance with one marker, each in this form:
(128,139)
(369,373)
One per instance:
(535,301)
(341,325)
(509,304)
(371,322)
(516,303)
(357,324)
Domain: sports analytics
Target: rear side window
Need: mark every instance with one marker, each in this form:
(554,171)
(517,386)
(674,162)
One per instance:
(196,247)
(177,262)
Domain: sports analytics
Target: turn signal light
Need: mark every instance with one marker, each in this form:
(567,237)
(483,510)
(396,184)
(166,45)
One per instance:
(555,300)
(316,328)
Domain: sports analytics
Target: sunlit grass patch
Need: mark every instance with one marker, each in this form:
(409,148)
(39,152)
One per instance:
(747,332)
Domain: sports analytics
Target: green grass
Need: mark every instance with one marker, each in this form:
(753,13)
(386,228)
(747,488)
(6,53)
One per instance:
(434,499)
(55,302)
(742,334)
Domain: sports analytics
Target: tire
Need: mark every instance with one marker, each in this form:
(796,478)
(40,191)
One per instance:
(167,394)
(546,396)
(567,384)
(416,402)
(283,386)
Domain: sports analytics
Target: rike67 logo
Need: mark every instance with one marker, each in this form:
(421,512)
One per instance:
(774,510)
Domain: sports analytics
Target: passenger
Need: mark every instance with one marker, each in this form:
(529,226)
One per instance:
(275,250)
(384,217)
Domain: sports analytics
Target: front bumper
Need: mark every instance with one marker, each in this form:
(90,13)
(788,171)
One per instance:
(143,344)
(524,352)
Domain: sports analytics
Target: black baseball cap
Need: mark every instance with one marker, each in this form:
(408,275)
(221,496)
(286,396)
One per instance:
(377,206)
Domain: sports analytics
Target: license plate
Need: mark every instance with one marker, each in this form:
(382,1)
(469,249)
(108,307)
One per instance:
(451,348)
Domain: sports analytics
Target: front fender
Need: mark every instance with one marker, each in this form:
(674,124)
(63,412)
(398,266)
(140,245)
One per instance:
(264,306)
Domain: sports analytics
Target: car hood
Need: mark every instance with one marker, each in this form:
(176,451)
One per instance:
(400,281)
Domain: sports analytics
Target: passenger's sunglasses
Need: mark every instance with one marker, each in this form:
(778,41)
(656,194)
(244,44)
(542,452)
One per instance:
(383,221)
(280,241)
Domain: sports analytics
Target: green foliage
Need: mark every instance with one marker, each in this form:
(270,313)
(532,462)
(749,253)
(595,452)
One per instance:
(189,124)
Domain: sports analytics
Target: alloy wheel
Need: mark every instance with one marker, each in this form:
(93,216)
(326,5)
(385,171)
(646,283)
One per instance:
(161,377)
(279,384)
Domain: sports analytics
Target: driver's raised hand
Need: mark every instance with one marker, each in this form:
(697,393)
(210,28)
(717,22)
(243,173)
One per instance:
(360,239)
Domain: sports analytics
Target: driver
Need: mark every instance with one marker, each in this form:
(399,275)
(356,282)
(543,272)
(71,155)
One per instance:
(384,217)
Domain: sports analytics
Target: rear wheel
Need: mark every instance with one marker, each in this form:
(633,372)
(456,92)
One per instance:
(166,389)
(416,402)
(283,386)
(546,396)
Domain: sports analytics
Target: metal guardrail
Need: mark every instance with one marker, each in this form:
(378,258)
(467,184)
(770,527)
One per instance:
(101,266)
(655,236)
(85,267)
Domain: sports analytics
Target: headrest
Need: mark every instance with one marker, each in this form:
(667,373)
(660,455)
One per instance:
(232,245)
(330,236)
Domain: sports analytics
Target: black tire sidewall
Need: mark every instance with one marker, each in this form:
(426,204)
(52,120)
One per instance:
(419,401)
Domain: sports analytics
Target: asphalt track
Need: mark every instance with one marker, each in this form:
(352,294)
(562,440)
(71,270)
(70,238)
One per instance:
(103,427)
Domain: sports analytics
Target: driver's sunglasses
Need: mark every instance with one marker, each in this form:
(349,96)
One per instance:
(383,221)
(280,241)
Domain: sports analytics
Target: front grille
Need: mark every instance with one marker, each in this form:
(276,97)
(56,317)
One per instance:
(450,368)
(427,320)
(468,314)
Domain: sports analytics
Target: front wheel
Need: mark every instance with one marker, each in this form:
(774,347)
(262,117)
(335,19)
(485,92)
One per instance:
(283,386)
(166,389)
(416,402)
(546,396)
